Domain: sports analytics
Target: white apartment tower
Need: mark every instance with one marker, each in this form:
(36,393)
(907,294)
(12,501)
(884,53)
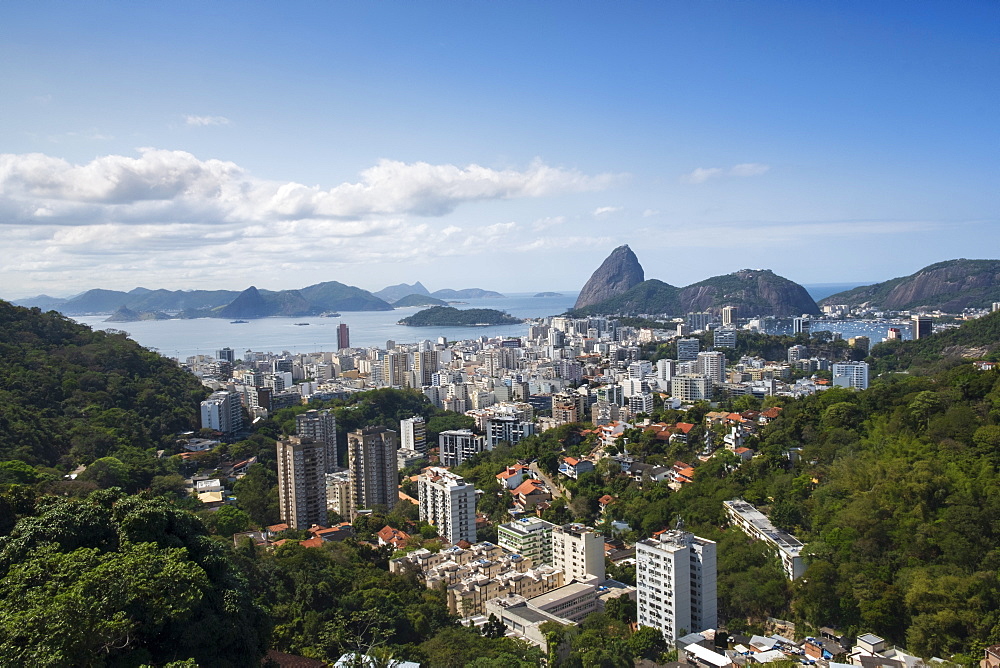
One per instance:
(851,374)
(371,454)
(222,411)
(449,503)
(457,445)
(413,434)
(579,551)
(713,365)
(675,578)
(320,426)
(302,482)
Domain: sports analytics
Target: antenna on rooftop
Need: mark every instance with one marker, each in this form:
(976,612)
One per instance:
(680,523)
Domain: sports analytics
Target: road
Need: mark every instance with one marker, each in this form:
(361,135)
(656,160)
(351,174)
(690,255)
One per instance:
(556,490)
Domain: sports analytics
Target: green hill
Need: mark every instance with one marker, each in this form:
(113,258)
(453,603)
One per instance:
(975,339)
(447,316)
(948,286)
(69,394)
(419,300)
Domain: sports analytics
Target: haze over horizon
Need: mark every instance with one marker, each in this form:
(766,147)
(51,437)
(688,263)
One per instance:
(506,146)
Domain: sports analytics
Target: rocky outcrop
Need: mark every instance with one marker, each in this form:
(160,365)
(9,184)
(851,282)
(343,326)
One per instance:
(249,304)
(616,275)
(948,286)
(394,293)
(754,291)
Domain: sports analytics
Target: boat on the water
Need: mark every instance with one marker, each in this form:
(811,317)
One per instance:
(238,322)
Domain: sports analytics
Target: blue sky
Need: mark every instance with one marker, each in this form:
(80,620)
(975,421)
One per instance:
(504,145)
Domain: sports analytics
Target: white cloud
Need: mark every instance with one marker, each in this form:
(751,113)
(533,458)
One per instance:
(605,210)
(649,213)
(184,221)
(202,121)
(703,174)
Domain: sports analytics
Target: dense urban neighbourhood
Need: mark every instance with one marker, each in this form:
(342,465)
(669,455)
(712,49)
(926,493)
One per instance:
(107,558)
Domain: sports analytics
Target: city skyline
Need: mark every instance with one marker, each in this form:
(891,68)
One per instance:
(508,147)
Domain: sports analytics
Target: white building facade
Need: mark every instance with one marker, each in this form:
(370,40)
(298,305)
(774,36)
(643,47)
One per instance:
(676,582)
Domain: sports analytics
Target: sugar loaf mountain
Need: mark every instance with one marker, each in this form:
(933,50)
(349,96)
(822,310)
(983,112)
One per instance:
(619,287)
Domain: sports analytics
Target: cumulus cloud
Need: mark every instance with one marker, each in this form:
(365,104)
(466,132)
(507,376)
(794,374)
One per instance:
(181,216)
(703,174)
(202,121)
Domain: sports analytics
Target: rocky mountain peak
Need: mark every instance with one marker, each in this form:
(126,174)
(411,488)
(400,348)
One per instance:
(619,272)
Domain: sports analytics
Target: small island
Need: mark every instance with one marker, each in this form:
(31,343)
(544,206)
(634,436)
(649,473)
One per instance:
(446,316)
(549,294)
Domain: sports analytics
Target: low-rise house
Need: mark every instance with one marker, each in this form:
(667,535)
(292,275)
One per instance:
(394,537)
(512,476)
(571,467)
(529,494)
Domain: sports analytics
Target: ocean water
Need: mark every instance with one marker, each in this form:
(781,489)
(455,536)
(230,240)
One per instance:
(203,336)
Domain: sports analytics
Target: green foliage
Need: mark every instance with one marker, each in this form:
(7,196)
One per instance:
(121,579)
(73,395)
(448,316)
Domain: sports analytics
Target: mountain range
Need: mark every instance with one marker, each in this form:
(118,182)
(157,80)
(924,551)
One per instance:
(394,293)
(617,287)
(250,303)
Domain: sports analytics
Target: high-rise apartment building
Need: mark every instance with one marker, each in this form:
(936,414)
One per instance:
(796,353)
(413,434)
(713,365)
(371,454)
(801,325)
(302,482)
(688,349)
(449,503)
(222,411)
(343,336)
(730,316)
(699,321)
(426,363)
(528,536)
(676,582)
(691,387)
(320,426)
(394,368)
(923,326)
(724,338)
(457,445)
(851,374)
(225,355)
(579,551)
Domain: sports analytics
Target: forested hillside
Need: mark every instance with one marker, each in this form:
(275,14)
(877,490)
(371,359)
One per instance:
(70,395)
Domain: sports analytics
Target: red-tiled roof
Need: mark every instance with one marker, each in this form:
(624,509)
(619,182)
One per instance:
(684,427)
(527,487)
(312,542)
(572,461)
(276,528)
(606,500)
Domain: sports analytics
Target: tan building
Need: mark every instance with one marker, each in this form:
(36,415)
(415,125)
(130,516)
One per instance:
(371,454)
(302,482)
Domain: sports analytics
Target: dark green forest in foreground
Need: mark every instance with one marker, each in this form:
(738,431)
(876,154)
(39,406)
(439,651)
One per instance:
(894,489)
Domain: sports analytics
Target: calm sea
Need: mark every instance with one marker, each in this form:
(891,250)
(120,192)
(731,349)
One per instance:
(204,336)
